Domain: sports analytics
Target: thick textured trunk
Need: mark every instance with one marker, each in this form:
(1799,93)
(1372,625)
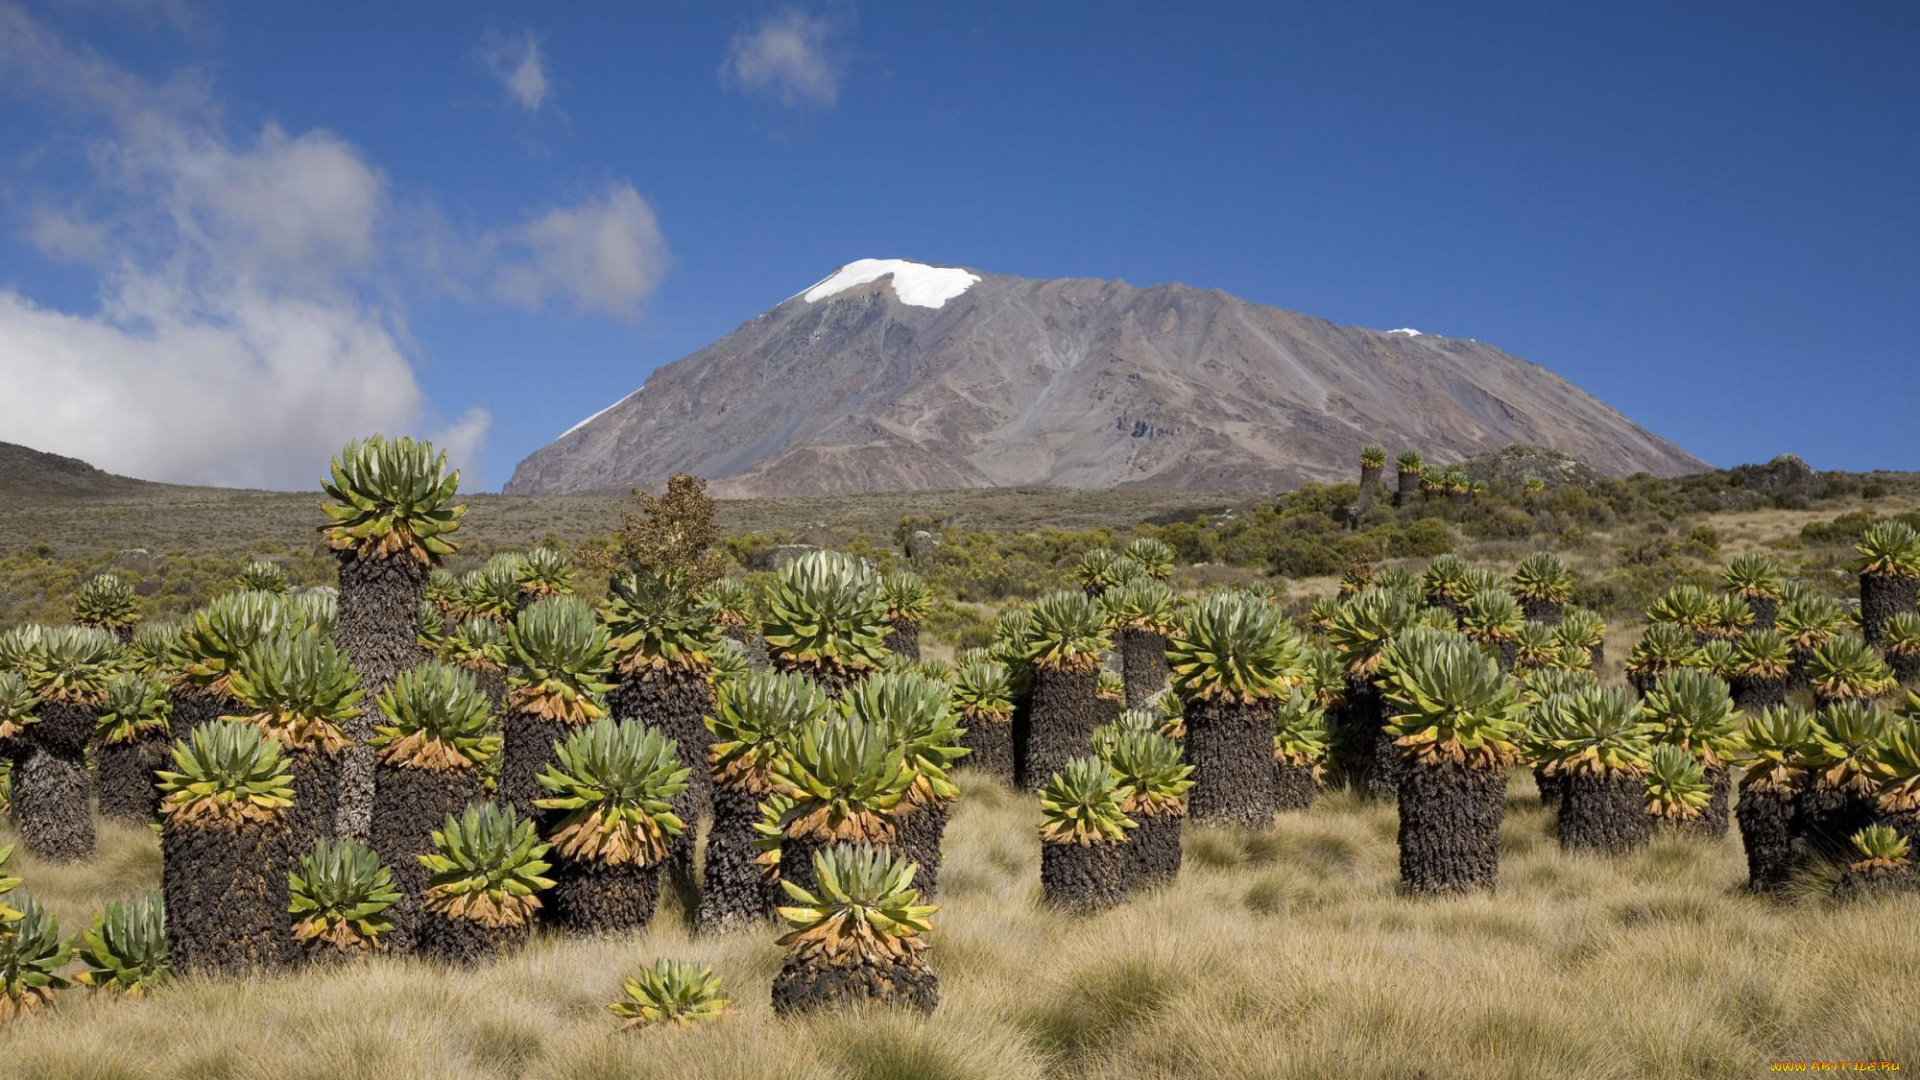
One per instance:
(1603,813)
(1797,677)
(1369,485)
(316,791)
(1545,612)
(1766,833)
(378,632)
(921,831)
(528,745)
(676,701)
(1230,746)
(1548,785)
(594,898)
(226,895)
(1405,487)
(1825,819)
(1294,787)
(1143,664)
(733,894)
(1065,712)
(989,749)
(1713,820)
(409,805)
(1765,611)
(903,638)
(802,987)
(1450,827)
(1021,729)
(462,942)
(1752,693)
(1363,750)
(1153,850)
(1905,665)
(51,807)
(64,728)
(1084,878)
(191,708)
(1855,885)
(1881,598)
(123,772)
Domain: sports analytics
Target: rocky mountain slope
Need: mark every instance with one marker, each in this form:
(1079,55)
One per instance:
(29,473)
(891,375)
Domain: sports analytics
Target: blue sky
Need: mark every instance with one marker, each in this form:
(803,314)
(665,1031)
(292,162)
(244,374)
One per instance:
(232,235)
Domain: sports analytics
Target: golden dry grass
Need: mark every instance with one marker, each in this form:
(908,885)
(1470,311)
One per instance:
(1286,953)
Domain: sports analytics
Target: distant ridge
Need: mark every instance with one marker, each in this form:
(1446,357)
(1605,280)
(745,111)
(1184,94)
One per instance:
(29,473)
(888,375)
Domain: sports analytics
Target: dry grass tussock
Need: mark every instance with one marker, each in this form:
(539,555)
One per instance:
(1287,953)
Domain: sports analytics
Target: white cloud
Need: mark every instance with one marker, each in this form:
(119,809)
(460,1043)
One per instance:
(516,62)
(241,337)
(605,255)
(788,56)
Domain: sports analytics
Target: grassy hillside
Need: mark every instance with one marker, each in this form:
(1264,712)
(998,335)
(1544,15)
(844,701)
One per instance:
(1281,954)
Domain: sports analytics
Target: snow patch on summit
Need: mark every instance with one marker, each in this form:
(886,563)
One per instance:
(1407,330)
(914,283)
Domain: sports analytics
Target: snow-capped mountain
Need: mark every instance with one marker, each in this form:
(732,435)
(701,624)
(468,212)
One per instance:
(890,375)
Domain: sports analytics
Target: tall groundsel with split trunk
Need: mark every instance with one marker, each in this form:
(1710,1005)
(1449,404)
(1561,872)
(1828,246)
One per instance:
(1232,658)
(753,718)
(299,690)
(1889,575)
(560,667)
(1064,642)
(1755,578)
(486,873)
(340,896)
(609,815)
(132,731)
(32,957)
(224,849)
(1360,632)
(917,712)
(908,602)
(846,777)
(1457,719)
(1693,711)
(1773,752)
(390,520)
(1543,586)
(827,619)
(1599,745)
(855,936)
(68,669)
(1150,786)
(1299,750)
(1085,864)
(1140,615)
(435,737)
(1843,762)
(982,698)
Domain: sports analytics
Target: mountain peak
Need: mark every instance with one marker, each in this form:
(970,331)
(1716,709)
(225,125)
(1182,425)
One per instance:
(983,380)
(913,283)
